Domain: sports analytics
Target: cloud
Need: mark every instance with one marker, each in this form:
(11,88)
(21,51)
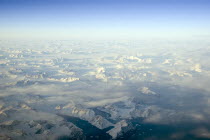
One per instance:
(106,101)
(4,62)
(179,73)
(167,61)
(65,80)
(146,90)
(43,84)
(201,133)
(99,73)
(197,68)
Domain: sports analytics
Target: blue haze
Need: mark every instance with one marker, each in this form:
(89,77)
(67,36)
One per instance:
(104,18)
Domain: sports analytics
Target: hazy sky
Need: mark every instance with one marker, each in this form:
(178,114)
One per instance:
(66,19)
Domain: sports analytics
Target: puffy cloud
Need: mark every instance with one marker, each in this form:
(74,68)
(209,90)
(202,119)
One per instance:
(179,73)
(148,61)
(146,90)
(34,76)
(167,61)
(66,72)
(134,58)
(65,80)
(99,74)
(119,66)
(197,68)
(4,62)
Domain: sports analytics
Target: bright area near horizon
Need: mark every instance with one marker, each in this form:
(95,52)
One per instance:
(104,19)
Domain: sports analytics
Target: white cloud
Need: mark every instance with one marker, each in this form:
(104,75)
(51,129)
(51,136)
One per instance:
(167,61)
(179,73)
(4,61)
(106,101)
(146,90)
(65,80)
(197,68)
(99,73)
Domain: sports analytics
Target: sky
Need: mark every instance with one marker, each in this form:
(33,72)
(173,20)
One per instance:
(70,19)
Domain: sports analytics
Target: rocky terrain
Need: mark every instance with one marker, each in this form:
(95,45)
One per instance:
(76,90)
